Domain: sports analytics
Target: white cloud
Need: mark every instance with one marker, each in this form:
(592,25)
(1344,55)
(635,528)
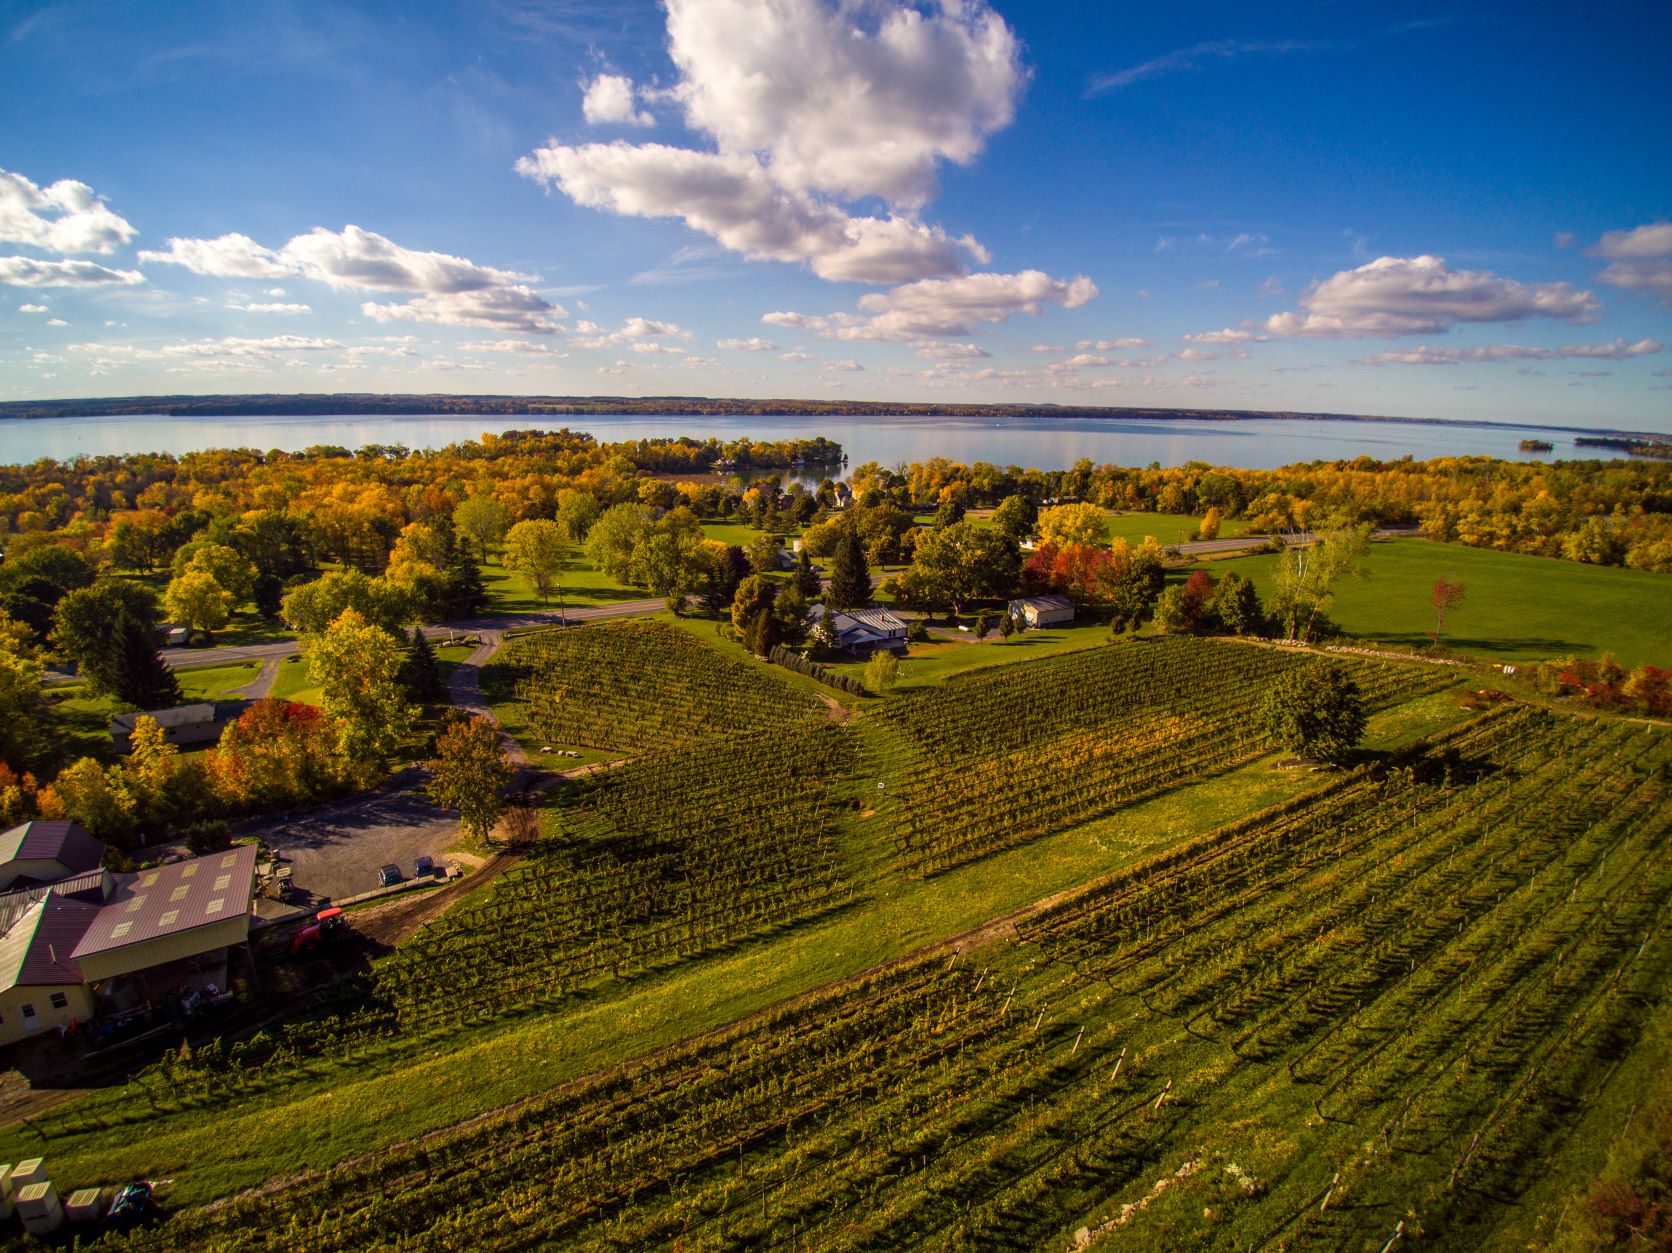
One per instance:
(66,216)
(753,344)
(451,290)
(650,346)
(1393,296)
(231,347)
(56,322)
(274,291)
(1108,345)
(1428,354)
(848,366)
(609,100)
(633,329)
(809,103)
(1086,359)
(227,256)
(852,100)
(935,309)
(1639,260)
(1273,286)
(33,309)
(27,272)
(795,354)
(1226,336)
(1197,354)
(516,347)
(952,352)
(734,198)
(259,307)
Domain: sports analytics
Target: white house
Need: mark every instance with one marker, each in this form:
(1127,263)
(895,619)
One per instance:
(1044,611)
(861,630)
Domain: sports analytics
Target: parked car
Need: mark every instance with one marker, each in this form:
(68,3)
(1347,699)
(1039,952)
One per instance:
(132,1204)
(424,867)
(389,876)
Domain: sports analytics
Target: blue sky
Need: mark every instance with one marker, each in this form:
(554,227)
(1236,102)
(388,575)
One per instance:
(1460,212)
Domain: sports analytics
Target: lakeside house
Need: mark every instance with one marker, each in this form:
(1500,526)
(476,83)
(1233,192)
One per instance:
(861,630)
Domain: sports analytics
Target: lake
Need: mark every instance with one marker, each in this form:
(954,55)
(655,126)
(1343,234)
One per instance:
(1045,443)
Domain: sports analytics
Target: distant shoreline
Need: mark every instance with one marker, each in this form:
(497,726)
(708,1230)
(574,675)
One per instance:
(364,404)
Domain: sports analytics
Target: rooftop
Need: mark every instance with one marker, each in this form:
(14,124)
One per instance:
(179,716)
(170,899)
(63,842)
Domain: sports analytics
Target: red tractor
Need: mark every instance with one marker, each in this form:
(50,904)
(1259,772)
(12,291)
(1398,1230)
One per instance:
(327,926)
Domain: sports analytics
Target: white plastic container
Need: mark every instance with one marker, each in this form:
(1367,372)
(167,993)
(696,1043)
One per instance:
(86,1205)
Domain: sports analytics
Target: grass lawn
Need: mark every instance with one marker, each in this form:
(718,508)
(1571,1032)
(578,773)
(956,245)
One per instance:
(1168,528)
(510,592)
(83,720)
(251,628)
(1517,608)
(294,683)
(926,665)
(742,535)
(198,683)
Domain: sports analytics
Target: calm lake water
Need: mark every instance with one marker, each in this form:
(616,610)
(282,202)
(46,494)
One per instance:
(1045,443)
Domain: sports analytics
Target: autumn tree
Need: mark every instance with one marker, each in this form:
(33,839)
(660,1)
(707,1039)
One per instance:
(665,558)
(357,665)
(1448,595)
(576,512)
(480,518)
(471,773)
(1236,605)
(226,565)
(1015,516)
(1072,525)
(720,569)
(538,548)
(615,535)
(314,606)
(109,630)
(752,616)
(1316,710)
(197,601)
(26,733)
(957,564)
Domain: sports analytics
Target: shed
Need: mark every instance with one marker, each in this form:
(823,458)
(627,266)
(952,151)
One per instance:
(184,724)
(1043,611)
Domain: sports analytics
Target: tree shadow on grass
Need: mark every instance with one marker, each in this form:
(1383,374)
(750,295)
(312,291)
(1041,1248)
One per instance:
(1525,648)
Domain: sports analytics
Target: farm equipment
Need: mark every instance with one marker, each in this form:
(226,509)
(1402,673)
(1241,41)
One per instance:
(328,925)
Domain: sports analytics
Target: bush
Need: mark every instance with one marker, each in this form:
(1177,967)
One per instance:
(802,664)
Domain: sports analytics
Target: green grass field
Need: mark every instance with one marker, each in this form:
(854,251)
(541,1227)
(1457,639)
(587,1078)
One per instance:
(583,585)
(198,683)
(1517,609)
(294,683)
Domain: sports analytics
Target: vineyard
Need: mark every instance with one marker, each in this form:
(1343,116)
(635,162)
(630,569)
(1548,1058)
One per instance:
(1001,758)
(1377,1012)
(637,685)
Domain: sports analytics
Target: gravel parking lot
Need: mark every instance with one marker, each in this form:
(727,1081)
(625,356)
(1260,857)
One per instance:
(336,852)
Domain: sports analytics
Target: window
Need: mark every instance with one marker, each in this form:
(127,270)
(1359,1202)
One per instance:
(60,1001)
(28,1011)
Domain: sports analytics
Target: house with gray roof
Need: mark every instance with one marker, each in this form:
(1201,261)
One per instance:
(861,630)
(184,724)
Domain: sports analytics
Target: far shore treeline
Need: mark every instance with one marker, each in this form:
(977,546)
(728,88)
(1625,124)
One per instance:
(351,404)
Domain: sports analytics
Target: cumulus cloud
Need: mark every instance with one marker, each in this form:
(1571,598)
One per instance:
(33,309)
(231,347)
(452,291)
(937,309)
(1428,354)
(1081,359)
(609,101)
(753,344)
(845,367)
(1393,296)
(1227,336)
(228,256)
(66,216)
(1639,259)
(952,352)
(795,354)
(809,103)
(735,199)
(591,335)
(27,272)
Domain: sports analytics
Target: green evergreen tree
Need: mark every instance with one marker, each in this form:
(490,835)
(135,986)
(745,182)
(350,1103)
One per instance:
(420,672)
(139,675)
(850,573)
(806,578)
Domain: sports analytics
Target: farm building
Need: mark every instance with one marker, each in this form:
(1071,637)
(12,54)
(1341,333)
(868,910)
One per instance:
(1043,611)
(861,630)
(96,942)
(186,724)
(46,852)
